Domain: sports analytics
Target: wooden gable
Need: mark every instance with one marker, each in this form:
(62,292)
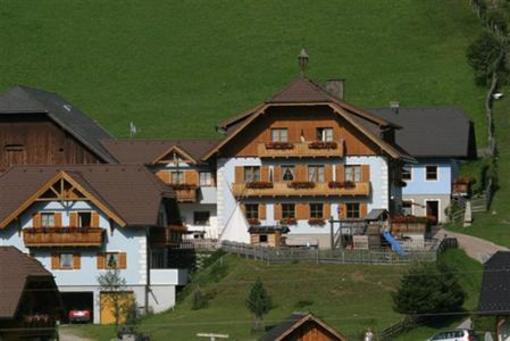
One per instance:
(174,154)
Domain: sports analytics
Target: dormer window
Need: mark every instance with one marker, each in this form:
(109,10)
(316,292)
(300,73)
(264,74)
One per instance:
(324,134)
(279,135)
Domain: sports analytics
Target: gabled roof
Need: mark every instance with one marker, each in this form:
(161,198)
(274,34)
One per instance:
(16,269)
(495,291)
(294,321)
(131,195)
(26,100)
(432,132)
(133,151)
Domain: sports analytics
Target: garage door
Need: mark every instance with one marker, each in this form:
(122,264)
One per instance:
(109,301)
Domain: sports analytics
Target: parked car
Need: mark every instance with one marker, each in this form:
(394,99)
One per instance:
(455,335)
(79,315)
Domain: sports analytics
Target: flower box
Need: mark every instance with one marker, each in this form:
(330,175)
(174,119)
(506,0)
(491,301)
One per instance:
(259,185)
(301,184)
(322,145)
(341,184)
(288,221)
(317,221)
(279,145)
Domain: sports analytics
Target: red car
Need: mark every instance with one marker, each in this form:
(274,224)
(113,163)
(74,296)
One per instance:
(79,315)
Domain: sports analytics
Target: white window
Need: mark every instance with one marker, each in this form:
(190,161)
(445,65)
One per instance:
(316,173)
(66,261)
(279,135)
(407,207)
(287,173)
(112,260)
(251,174)
(324,134)
(431,173)
(353,173)
(316,211)
(177,177)
(407,173)
(206,179)
(47,219)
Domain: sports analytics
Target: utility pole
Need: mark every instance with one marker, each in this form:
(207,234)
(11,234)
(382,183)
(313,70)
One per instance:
(213,337)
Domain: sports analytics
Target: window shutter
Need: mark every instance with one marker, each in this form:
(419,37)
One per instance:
(277,174)
(239,175)
(262,211)
(191,177)
(277,211)
(365,173)
(301,173)
(58,219)
(95,219)
(342,211)
(101,260)
(302,211)
(164,175)
(76,261)
(73,219)
(363,210)
(326,210)
(340,173)
(122,260)
(55,261)
(328,173)
(36,220)
(264,173)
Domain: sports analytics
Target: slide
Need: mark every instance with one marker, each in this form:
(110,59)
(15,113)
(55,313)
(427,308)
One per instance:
(395,245)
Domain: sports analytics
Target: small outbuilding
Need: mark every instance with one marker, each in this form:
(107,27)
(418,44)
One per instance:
(303,327)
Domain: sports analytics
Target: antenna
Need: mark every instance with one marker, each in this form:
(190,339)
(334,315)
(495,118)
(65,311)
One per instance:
(303,59)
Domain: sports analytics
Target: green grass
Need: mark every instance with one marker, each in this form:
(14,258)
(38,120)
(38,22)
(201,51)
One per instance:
(350,297)
(176,68)
(470,274)
(495,224)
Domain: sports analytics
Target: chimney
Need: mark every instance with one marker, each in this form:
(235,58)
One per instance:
(395,106)
(335,87)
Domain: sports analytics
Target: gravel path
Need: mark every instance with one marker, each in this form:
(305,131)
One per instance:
(476,248)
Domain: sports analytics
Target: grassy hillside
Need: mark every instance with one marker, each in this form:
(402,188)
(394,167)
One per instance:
(176,68)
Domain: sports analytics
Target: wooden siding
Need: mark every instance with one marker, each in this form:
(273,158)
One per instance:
(39,141)
(299,122)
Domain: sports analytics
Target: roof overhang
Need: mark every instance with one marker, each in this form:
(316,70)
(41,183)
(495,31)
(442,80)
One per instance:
(176,149)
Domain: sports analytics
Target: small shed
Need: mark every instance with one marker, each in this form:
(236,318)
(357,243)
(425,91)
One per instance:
(303,327)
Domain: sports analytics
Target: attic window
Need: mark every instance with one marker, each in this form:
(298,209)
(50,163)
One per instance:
(14,147)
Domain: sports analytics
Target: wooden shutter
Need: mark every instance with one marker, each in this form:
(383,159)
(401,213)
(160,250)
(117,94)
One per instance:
(101,260)
(76,261)
(365,173)
(302,211)
(363,210)
(58,219)
(264,173)
(94,219)
(36,220)
(328,173)
(277,176)
(239,175)
(122,260)
(191,177)
(262,211)
(164,175)
(340,173)
(55,260)
(300,173)
(326,210)
(342,211)
(277,211)
(73,219)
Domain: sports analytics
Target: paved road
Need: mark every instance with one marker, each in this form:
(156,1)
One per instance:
(476,248)
(65,334)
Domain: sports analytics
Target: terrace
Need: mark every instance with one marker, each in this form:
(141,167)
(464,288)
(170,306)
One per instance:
(300,149)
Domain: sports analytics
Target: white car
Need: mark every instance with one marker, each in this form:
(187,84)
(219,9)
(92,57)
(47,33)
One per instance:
(455,335)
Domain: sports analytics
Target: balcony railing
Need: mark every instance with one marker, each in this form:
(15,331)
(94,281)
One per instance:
(170,236)
(63,236)
(282,189)
(185,192)
(301,149)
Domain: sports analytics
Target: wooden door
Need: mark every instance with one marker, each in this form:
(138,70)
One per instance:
(107,300)
(433,211)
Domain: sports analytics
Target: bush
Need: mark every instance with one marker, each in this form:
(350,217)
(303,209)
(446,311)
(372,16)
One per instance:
(199,300)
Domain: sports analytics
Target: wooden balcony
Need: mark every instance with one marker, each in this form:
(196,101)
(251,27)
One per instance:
(63,236)
(301,149)
(186,195)
(282,189)
(167,237)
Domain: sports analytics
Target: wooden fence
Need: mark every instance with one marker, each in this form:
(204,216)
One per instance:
(398,328)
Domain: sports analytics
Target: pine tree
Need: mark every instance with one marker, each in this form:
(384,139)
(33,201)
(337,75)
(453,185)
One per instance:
(258,303)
